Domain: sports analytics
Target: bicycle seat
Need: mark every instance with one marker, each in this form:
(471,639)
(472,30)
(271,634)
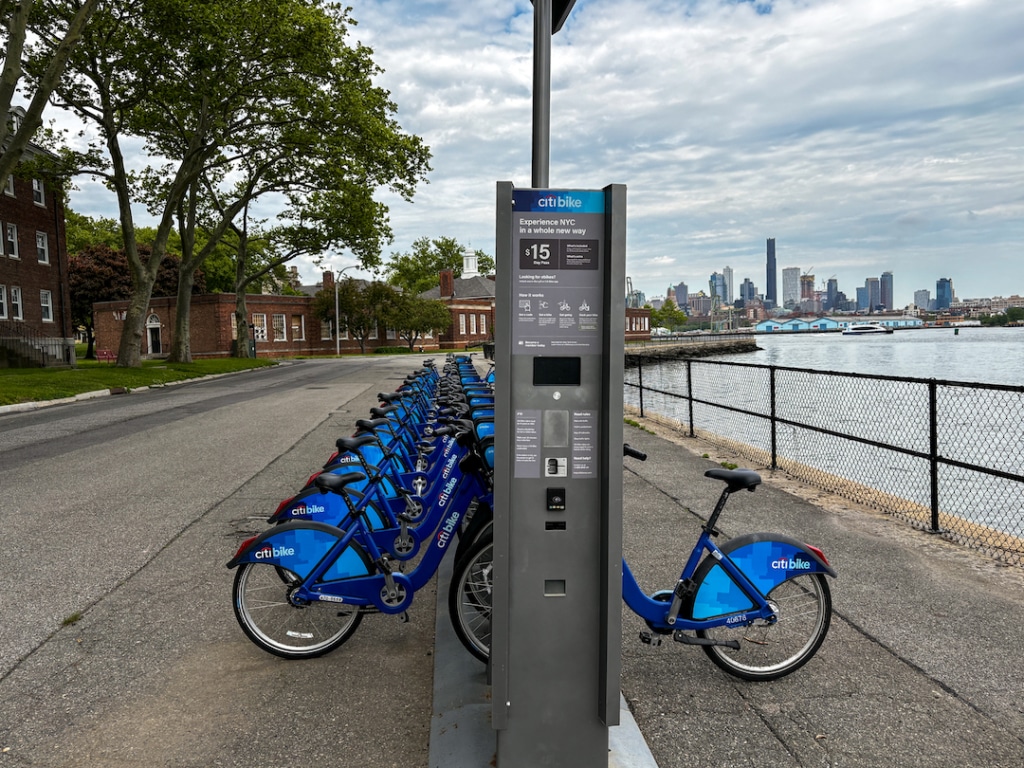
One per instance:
(736,479)
(349,444)
(333,482)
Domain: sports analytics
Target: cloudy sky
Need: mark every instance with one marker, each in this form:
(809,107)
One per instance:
(864,136)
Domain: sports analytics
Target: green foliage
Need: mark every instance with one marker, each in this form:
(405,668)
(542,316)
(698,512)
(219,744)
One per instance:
(412,317)
(669,316)
(418,271)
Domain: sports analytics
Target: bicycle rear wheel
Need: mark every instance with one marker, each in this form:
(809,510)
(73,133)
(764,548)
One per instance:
(469,598)
(268,617)
(770,649)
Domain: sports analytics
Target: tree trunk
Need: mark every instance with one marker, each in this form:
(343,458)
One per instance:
(242,325)
(181,343)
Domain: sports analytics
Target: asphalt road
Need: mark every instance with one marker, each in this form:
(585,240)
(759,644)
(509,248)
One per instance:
(121,512)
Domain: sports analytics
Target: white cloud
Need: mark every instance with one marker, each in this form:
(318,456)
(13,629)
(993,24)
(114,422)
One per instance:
(864,137)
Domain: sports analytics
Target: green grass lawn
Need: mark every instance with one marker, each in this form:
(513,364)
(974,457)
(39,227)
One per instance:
(25,385)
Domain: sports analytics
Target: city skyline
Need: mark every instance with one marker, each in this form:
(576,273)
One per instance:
(866,137)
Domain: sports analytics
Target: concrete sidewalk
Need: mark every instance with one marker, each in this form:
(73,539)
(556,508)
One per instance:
(922,665)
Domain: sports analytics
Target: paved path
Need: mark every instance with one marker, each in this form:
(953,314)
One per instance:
(922,667)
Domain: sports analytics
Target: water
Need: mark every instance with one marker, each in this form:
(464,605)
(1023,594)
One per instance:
(976,428)
(978,355)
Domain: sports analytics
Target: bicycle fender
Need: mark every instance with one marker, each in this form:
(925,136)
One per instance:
(299,547)
(767,559)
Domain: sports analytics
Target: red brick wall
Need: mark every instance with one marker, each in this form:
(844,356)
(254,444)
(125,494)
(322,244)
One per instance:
(211,321)
(26,272)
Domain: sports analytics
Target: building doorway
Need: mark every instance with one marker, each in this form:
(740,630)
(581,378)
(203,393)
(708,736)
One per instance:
(153,332)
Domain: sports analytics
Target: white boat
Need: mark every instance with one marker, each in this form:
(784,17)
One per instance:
(865,329)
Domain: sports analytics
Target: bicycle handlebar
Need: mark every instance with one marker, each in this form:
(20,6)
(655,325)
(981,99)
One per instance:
(627,451)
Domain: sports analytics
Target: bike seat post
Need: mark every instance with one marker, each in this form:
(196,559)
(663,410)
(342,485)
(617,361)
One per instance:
(719,507)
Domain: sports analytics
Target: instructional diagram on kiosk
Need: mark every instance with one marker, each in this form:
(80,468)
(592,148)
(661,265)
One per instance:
(558,284)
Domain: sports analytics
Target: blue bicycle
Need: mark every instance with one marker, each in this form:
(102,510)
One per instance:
(759,605)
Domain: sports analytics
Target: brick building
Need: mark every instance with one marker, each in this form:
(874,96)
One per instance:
(470,301)
(35,322)
(282,326)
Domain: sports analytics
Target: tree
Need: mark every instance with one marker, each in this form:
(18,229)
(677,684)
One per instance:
(418,271)
(412,317)
(362,308)
(50,59)
(100,273)
(303,121)
(669,316)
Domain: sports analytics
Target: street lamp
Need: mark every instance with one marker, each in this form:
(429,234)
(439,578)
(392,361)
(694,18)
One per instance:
(337,319)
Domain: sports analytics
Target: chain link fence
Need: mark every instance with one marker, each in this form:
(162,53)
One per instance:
(945,456)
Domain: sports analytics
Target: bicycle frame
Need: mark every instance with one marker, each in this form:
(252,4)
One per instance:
(749,566)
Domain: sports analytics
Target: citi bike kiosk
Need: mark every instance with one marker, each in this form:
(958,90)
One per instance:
(556,643)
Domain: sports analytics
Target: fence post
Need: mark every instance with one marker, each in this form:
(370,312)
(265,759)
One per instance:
(689,391)
(640,375)
(774,423)
(933,450)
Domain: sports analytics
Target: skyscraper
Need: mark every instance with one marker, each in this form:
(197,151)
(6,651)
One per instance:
(717,283)
(944,293)
(886,291)
(729,295)
(874,289)
(770,292)
(682,296)
(790,287)
(831,293)
(922,298)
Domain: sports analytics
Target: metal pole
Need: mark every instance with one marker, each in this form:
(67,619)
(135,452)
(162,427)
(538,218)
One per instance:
(337,325)
(933,450)
(337,319)
(541,92)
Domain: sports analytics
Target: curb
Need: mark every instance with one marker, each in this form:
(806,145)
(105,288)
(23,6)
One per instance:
(460,729)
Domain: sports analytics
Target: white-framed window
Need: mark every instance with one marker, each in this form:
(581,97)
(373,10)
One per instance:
(429,334)
(325,330)
(298,327)
(11,240)
(3,302)
(42,247)
(472,324)
(17,313)
(259,326)
(38,193)
(234,326)
(46,304)
(373,334)
(9,186)
(279,332)
(483,324)
(462,324)
(391,334)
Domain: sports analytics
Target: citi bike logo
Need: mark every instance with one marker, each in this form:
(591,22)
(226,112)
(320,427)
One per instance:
(446,493)
(791,564)
(559,201)
(445,533)
(449,466)
(308,509)
(268,551)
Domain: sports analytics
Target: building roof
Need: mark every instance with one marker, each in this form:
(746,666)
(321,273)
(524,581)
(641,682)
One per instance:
(465,288)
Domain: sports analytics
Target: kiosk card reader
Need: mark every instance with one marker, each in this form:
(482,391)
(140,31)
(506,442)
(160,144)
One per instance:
(559,330)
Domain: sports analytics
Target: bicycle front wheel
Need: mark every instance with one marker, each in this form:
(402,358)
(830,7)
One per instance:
(770,649)
(270,619)
(469,598)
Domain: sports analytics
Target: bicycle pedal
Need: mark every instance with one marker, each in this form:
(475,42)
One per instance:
(404,617)
(650,639)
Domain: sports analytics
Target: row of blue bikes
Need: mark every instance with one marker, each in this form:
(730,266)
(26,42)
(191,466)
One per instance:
(370,529)
(415,480)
